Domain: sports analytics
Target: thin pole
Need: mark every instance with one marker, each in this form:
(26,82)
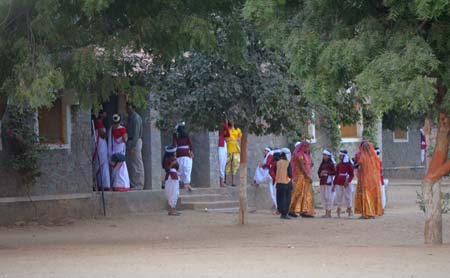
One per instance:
(98,159)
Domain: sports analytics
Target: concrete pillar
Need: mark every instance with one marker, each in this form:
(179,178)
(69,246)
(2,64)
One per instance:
(214,177)
(379,136)
(201,170)
(151,151)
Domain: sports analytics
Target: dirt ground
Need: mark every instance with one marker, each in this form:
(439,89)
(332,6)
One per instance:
(202,244)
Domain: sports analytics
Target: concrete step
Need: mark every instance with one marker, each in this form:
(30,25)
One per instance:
(226,190)
(230,210)
(204,197)
(209,205)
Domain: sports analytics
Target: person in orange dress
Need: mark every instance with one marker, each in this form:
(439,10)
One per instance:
(302,200)
(368,192)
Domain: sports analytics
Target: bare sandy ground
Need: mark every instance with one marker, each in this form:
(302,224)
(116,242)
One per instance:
(199,244)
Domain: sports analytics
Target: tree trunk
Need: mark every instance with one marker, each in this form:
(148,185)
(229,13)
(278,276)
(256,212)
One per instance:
(439,166)
(3,101)
(243,201)
(433,215)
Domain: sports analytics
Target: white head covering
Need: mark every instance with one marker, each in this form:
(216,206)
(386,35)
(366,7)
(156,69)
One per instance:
(378,151)
(275,151)
(297,143)
(330,154)
(346,157)
(180,124)
(287,151)
(116,118)
(422,132)
(267,148)
(171,149)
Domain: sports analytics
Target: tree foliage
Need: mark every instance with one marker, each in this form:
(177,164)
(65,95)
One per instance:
(393,52)
(243,81)
(77,46)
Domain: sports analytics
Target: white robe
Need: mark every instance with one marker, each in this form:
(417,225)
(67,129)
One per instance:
(101,162)
(119,173)
(344,196)
(262,176)
(383,193)
(222,151)
(185,169)
(172,191)
(327,196)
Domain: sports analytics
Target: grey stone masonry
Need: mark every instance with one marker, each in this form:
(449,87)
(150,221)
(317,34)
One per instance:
(214,176)
(64,170)
(402,159)
(201,166)
(151,151)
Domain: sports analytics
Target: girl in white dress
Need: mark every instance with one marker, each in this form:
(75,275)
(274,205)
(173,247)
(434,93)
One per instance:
(117,151)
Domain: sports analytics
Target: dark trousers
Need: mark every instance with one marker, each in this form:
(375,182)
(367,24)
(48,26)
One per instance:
(284,197)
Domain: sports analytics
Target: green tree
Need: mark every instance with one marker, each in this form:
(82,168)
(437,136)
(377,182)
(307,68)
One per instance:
(47,46)
(84,48)
(243,81)
(396,53)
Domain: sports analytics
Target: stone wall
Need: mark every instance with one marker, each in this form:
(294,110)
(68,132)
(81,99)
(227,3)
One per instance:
(402,159)
(151,151)
(63,170)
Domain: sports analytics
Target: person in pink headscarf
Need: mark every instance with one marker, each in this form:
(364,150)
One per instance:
(302,200)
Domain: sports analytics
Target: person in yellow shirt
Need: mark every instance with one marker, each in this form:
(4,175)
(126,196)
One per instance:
(233,151)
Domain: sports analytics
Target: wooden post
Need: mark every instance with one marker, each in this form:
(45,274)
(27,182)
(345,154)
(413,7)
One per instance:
(243,202)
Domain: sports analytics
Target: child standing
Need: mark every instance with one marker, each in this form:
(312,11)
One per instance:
(284,186)
(326,174)
(185,153)
(343,184)
(172,183)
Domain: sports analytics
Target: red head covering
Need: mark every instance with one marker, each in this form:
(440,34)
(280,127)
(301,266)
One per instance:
(119,132)
(302,150)
(99,124)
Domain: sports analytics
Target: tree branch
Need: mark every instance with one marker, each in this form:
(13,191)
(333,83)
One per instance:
(438,173)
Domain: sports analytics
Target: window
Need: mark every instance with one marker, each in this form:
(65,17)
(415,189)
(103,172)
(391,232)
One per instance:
(352,132)
(349,131)
(52,124)
(400,135)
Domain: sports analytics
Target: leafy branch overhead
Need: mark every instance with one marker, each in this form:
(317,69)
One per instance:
(242,80)
(393,52)
(49,46)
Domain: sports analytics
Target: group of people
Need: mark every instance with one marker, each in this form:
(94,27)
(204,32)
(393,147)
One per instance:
(177,161)
(290,181)
(118,164)
(117,152)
